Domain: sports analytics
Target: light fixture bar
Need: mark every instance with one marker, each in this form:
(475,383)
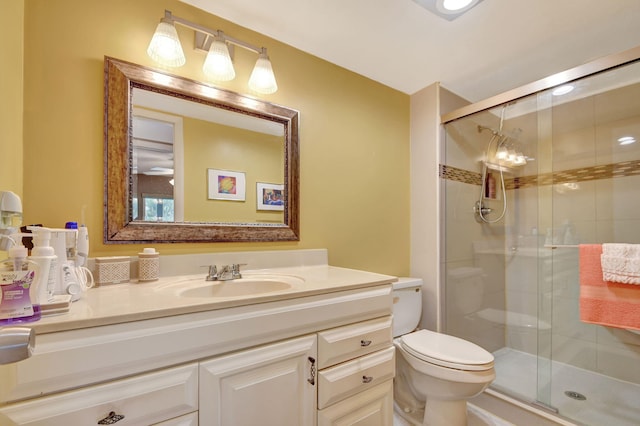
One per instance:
(210,33)
(218,63)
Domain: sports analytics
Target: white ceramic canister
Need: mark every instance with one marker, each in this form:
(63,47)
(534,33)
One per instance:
(148,265)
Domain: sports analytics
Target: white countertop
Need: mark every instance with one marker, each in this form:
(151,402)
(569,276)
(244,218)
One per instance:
(118,303)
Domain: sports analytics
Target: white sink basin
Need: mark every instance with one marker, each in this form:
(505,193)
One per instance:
(248,286)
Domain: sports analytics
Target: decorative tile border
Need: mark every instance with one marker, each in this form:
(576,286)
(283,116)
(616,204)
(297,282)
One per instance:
(605,171)
(460,175)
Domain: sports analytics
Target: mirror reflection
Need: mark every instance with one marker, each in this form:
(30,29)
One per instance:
(176,143)
(186,162)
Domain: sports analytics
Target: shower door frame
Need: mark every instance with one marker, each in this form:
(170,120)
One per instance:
(600,65)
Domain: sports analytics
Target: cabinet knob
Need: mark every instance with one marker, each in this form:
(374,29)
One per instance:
(111,419)
(367,379)
(365,343)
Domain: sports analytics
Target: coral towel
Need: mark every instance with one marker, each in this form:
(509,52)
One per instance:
(604,302)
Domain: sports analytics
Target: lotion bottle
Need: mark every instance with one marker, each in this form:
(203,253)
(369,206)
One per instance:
(19,298)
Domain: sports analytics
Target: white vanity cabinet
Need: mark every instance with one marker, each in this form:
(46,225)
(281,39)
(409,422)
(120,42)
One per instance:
(242,365)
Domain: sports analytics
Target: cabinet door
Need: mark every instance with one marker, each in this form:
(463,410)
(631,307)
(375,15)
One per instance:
(373,407)
(271,385)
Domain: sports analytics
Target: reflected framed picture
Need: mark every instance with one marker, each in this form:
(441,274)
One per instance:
(270,196)
(226,185)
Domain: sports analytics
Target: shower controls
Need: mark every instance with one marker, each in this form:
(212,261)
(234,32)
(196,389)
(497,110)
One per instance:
(480,211)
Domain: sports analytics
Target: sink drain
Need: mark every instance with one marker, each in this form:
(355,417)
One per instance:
(575,395)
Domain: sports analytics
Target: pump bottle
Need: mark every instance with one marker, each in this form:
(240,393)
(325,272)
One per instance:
(45,257)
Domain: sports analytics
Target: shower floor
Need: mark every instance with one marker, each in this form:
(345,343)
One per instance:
(609,401)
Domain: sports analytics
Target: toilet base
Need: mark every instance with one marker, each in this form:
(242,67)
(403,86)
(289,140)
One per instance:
(445,413)
(437,413)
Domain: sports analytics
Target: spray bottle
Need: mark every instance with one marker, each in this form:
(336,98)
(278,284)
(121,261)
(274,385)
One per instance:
(45,257)
(19,293)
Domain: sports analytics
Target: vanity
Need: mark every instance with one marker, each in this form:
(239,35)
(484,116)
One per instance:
(311,347)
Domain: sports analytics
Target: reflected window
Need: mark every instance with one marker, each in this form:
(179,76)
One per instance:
(158,209)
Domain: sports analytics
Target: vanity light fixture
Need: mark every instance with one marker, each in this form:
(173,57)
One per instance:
(165,48)
(448,9)
(626,140)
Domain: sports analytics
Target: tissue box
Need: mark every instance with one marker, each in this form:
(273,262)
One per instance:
(112,270)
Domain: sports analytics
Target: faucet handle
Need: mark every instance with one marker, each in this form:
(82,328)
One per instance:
(235,270)
(213,273)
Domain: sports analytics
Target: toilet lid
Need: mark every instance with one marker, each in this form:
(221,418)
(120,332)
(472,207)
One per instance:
(447,351)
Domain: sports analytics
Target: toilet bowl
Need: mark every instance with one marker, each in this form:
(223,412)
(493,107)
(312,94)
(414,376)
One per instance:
(435,373)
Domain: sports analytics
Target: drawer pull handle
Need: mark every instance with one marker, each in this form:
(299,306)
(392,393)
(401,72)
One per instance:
(111,419)
(365,343)
(312,371)
(367,379)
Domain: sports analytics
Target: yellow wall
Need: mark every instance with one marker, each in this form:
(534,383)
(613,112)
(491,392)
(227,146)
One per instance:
(354,133)
(11,60)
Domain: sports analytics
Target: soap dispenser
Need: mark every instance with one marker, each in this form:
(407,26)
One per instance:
(45,257)
(18,289)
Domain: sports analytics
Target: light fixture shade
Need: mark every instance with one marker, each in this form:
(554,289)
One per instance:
(262,79)
(217,65)
(165,47)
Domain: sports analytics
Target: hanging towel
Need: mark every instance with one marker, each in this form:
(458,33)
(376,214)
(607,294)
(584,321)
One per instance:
(621,263)
(604,302)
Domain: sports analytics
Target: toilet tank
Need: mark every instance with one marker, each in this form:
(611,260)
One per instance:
(407,305)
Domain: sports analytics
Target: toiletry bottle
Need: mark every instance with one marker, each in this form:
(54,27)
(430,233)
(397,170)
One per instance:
(45,257)
(19,298)
(71,238)
(82,252)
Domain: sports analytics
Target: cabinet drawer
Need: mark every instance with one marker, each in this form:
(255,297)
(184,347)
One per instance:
(351,341)
(371,407)
(343,380)
(145,399)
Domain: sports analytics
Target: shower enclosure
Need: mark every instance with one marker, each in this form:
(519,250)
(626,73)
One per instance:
(511,284)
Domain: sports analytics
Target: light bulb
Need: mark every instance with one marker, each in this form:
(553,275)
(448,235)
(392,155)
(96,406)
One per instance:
(165,47)
(217,64)
(262,79)
(502,153)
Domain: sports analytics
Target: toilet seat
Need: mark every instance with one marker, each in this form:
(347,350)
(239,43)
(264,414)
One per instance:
(446,351)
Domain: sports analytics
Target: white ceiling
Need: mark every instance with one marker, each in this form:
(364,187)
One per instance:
(496,46)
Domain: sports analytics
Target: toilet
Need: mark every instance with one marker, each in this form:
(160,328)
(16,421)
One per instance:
(435,373)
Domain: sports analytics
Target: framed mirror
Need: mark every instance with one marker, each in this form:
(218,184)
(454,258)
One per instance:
(187,162)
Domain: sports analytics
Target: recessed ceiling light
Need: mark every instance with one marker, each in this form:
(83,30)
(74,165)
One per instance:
(626,140)
(562,90)
(448,9)
(455,5)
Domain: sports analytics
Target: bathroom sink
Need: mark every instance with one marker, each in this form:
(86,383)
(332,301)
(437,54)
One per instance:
(251,285)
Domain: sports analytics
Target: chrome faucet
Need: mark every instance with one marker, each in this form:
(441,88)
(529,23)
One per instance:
(225,273)
(16,344)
